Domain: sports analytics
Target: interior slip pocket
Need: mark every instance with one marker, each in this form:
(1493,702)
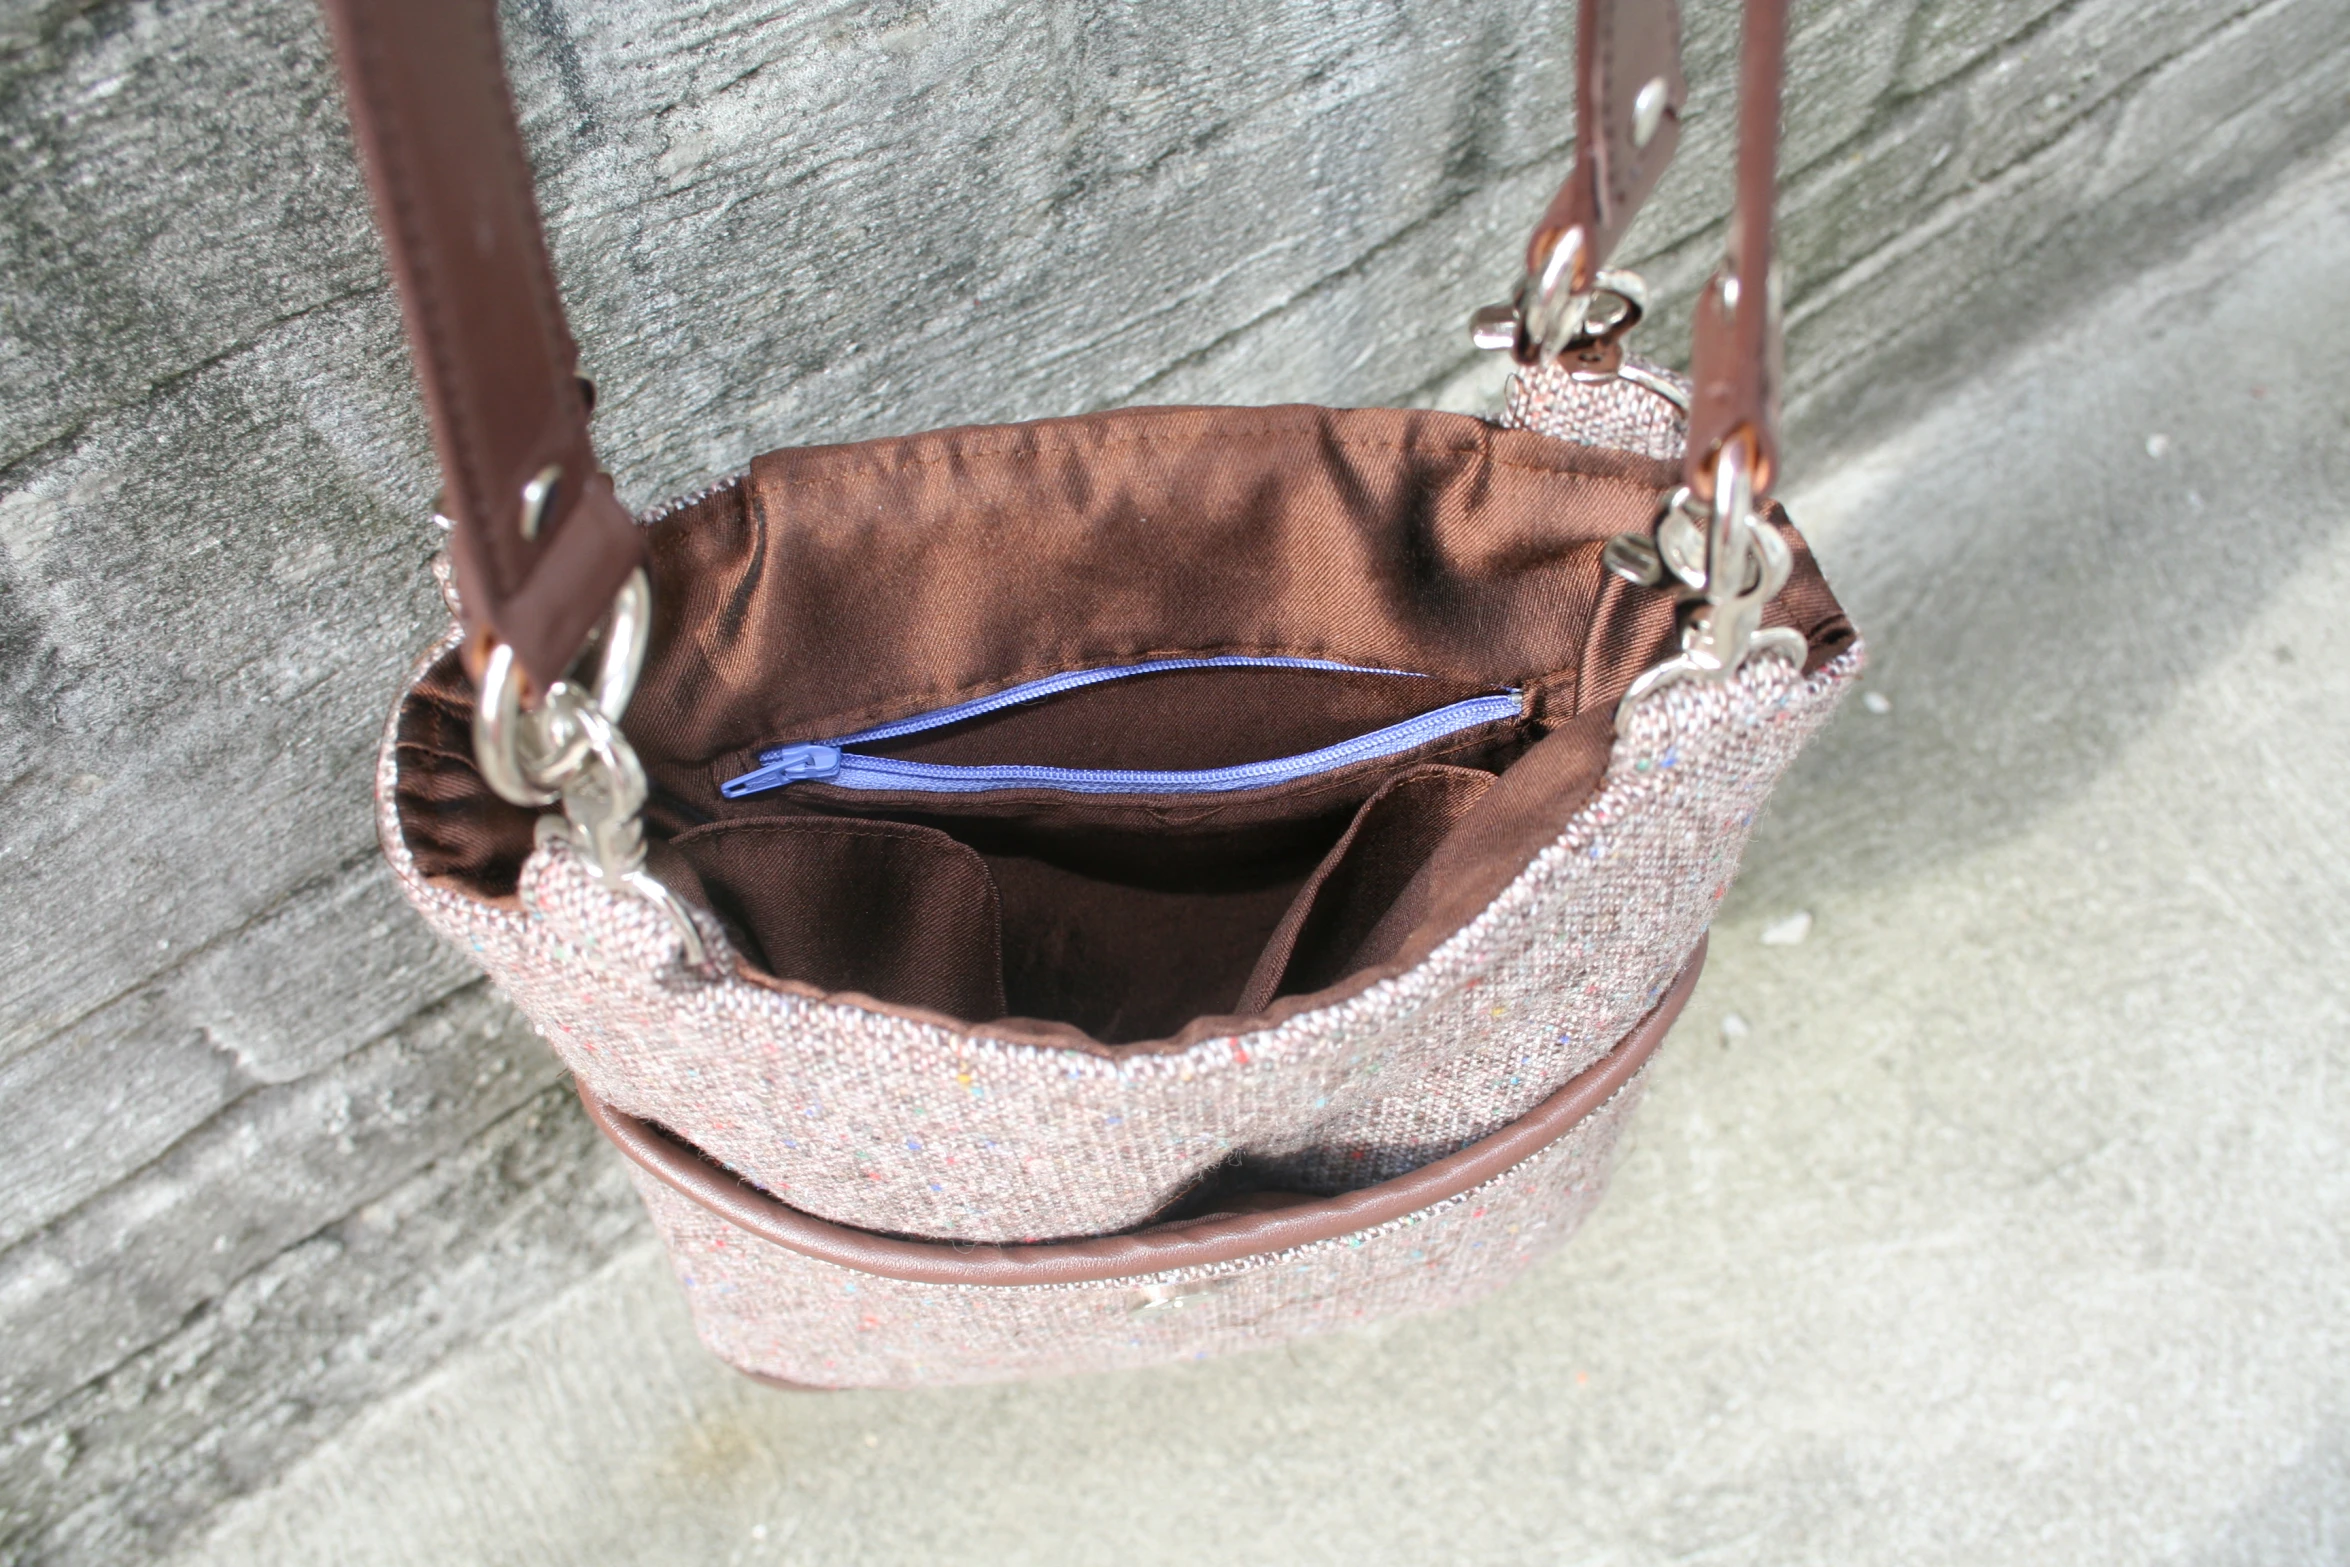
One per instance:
(899,912)
(1328,931)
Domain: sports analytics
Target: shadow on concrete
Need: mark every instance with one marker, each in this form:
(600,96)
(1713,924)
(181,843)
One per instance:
(2298,1519)
(2033,604)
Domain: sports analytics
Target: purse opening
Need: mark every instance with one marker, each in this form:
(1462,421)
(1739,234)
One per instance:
(1117,729)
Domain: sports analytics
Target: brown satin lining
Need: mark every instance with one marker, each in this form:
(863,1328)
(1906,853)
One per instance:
(1205,1242)
(841,587)
(844,586)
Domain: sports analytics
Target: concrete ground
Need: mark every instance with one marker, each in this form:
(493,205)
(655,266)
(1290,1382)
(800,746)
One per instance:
(2001,1218)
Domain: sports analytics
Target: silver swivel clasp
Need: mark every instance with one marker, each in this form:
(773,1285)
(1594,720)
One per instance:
(1549,323)
(1723,563)
(569,749)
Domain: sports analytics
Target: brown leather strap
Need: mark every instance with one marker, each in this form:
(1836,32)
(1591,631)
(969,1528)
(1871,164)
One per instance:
(1206,1242)
(1735,353)
(1621,47)
(444,156)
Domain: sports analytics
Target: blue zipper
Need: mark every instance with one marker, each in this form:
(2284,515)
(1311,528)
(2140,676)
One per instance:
(831,762)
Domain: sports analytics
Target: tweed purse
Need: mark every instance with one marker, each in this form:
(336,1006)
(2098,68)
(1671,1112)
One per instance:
(1118,888)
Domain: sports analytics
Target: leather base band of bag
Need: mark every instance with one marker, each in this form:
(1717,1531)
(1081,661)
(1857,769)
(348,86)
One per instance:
(1107,890)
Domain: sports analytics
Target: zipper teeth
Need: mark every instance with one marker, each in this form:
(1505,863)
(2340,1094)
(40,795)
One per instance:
(1054,685)
(873,772)
(670,508)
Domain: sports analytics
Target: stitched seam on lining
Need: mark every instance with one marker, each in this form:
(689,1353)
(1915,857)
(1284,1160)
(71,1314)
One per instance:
(1348,444)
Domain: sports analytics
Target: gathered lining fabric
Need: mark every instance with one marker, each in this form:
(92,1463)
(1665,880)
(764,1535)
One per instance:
(842,587)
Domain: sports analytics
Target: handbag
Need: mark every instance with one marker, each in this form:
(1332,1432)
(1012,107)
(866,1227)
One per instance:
(1112,889)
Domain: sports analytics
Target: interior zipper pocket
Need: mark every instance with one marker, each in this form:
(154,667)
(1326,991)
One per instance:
(832,762)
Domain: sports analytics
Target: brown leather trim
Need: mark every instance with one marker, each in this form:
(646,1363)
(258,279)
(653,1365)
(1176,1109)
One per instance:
(1734,351)
(1620,46)
(426,86)
(1215,1239)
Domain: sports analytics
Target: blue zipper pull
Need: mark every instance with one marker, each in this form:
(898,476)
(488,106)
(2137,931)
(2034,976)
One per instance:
(789,765)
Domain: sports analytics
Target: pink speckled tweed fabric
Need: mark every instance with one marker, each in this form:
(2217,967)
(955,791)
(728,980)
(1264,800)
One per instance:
(1549,401)
(920,1129)
(770,1310)
(912,1128)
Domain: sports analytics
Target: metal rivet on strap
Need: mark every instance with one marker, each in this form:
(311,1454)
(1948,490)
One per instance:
(1648,111)
(535,497)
